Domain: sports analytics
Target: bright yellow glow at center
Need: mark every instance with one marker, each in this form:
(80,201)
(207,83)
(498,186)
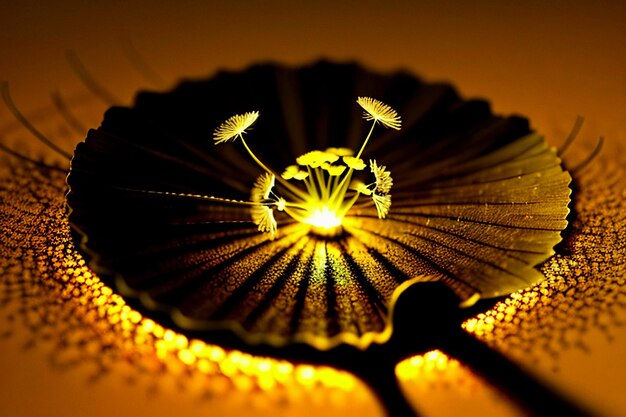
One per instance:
(324,218)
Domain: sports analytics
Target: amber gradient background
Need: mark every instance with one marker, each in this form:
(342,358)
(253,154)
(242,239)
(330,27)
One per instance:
(549,60)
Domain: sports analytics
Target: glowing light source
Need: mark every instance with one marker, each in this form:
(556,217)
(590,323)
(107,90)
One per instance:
(324,220)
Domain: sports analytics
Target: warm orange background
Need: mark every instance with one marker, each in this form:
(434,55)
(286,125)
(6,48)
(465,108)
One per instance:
(549,60)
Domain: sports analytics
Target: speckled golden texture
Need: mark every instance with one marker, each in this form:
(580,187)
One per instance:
(584,289)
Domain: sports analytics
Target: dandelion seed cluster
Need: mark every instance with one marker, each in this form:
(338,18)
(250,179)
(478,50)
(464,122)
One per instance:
(328,190)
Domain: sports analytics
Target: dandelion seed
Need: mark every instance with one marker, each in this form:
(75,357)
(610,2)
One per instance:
(355,163)
(290,172)
(301,175)
(334,170)
(293,172)
(234,127)
(262,187)
(340,151)
(309,159)
(263,217)
(379,112)
(382,203)
(315,159)
(384,182)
